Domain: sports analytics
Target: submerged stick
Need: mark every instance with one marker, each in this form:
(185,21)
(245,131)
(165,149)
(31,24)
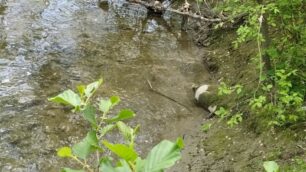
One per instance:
(163,95)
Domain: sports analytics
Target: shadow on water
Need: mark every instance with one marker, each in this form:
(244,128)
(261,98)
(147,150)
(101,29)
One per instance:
(51,45)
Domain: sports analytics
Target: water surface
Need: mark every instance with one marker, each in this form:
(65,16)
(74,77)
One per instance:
(48,46)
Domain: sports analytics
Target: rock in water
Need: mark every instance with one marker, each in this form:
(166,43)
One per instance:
(206,96)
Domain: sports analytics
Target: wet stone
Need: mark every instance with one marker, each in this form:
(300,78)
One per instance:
(27,100)
(151,26)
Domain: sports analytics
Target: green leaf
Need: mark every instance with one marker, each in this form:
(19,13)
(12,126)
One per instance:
(82,149)
(162,156)
(136,129)
(81,89)
(235,119)
(105,105)
(64,152)
(125,130)
(206,127)
(89,114)
(123,115)
(180,143)
(71,170)
(238,89)
(68,97)
(271,166)
(140,164)
(222,112)
(106,129)
(106,166)
(123,166)
(122,151)
(114,100)
(86,146)
(91,88)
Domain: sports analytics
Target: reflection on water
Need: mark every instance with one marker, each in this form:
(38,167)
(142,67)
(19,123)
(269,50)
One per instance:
(50,45)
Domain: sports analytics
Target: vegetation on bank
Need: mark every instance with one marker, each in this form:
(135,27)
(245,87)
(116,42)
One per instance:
(278,28)
(271,38)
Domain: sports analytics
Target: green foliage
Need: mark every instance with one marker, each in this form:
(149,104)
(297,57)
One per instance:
(89,114)
(88,145)
(224,89)
(162,156)
(106,165)
(68,98)
(71,170)
(235,119)
(271,166)
(64,152)
(123,115)
(222,112)
(298,165)
(278,28)
(180,142)
(257,102)
(123,151)
(127,132)
(206,127)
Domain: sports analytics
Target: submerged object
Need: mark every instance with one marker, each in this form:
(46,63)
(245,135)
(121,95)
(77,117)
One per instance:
(205,96)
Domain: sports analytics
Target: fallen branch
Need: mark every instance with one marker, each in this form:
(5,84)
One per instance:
(169,98)
(160,9)
(195,16)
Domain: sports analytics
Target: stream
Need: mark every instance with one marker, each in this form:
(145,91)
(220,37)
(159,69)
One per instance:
(48,46)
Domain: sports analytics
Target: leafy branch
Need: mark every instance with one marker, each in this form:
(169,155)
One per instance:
(162,156)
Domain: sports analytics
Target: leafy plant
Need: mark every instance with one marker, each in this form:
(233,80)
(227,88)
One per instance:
(278,29)
(298,165)
(271,166)
(162,156)
(206,127)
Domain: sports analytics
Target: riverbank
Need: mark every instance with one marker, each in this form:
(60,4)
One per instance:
(246,146)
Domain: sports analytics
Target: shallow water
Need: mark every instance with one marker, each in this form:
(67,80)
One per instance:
(50,45)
